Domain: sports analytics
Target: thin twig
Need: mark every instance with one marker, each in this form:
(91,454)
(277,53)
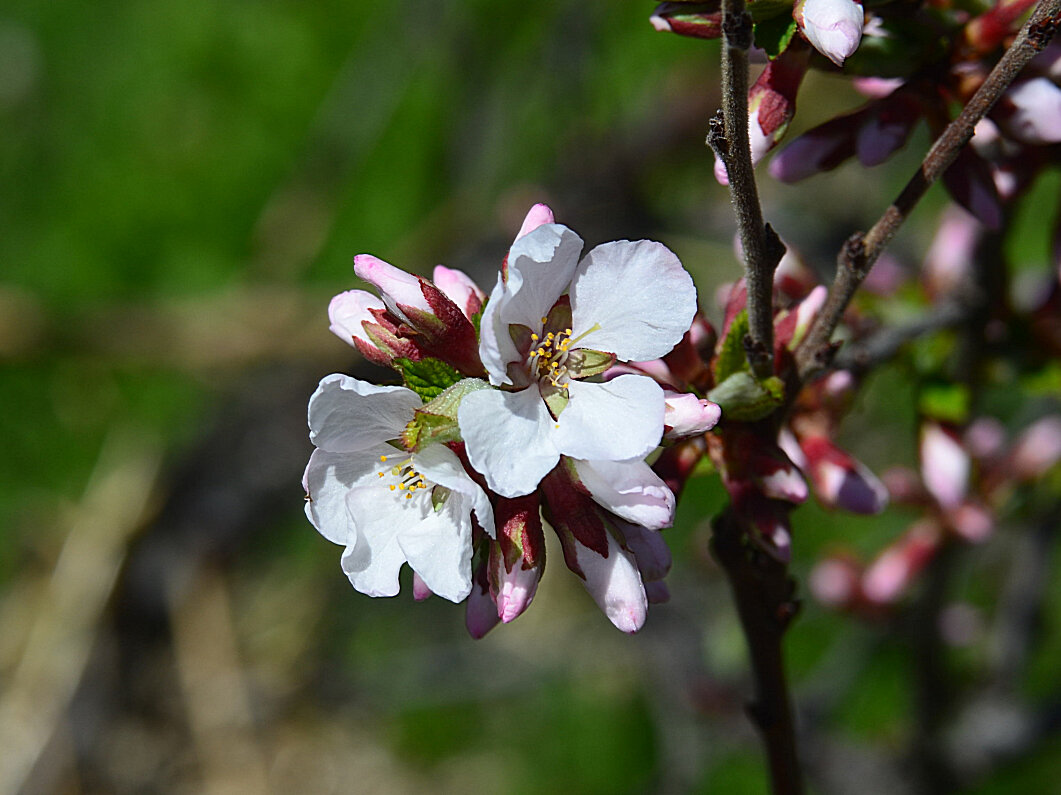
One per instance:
(861,251)
(764,594)
(762,249)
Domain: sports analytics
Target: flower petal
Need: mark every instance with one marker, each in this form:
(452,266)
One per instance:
(459,288)
(638,294)
(347,311)
(615,421)
(346,414)
(629,489)
(615,584)
(328,479)
(509,438)
(440,465)
(540,267)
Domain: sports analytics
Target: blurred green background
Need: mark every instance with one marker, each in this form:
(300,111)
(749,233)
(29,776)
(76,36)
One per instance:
(182,188)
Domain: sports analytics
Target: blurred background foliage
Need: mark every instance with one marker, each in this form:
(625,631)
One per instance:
(182,188)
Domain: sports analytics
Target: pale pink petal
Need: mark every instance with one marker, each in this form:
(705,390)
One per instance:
(480,614)
(629,489)
(631,299)
(395,285)
(347,311)
(834,27)
(615,585)
(420,589)
(515,589)
(346,414)
(540,267)
(458,287)
(509,438)
(944,465)
(616,421)
(1030,111)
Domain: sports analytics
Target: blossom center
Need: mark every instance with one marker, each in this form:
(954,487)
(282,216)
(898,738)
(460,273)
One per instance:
(548,356)
(404,477)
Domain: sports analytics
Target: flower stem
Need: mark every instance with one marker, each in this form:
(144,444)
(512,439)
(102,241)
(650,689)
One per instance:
(764,594)
(861,251)
(762,249)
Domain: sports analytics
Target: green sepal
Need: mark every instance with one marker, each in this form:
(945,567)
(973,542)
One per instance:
(744,399)
(946,402)
(731,358)
(584,362)
(428,377)
(556,399)
(436,422)
(439,495)
(477,318)
(773,35)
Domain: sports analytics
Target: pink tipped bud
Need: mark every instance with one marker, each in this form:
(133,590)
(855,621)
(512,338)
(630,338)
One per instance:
(944,465)
(777,477)
(698,20)
(890,575)
(615,584)
(834,27)
(841,481)
(1030,111)
(420,589)
(1037,449)
(650,551)
(459,288)
(687,415)
(515,590)
(396,287)
(539,215)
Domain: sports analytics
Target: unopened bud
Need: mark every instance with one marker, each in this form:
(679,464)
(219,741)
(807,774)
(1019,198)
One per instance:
(834,27)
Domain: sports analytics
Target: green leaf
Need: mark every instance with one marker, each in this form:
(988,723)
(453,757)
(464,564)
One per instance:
(744,399)
(947,402)
(436,422)
(769,9)
(732,358)
(584,362)
(774,34)
(428,377)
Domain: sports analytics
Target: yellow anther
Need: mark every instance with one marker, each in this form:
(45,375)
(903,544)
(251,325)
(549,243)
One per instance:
(534,337)
(392,487)
(545,319)
(408,496)
(381,474)
(383,458)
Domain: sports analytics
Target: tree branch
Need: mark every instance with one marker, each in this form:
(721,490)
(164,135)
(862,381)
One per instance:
(861,251)
(764,594)
(762,248)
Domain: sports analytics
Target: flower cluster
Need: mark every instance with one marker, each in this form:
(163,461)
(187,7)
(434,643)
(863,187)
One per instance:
(512,409)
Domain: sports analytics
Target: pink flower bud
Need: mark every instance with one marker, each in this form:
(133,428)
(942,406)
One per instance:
(615,584)
(972,521)
(1037,449)
(396,287)
(771,105)
(539,215)
(420,589)
(698,20)
(841,481)
(985,438)
(1030,111)
(349,311)
(515,589)
(944,465)
(649,549)
(834,27)
(687,415)
(459,288)
(892,572)
(480,613)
